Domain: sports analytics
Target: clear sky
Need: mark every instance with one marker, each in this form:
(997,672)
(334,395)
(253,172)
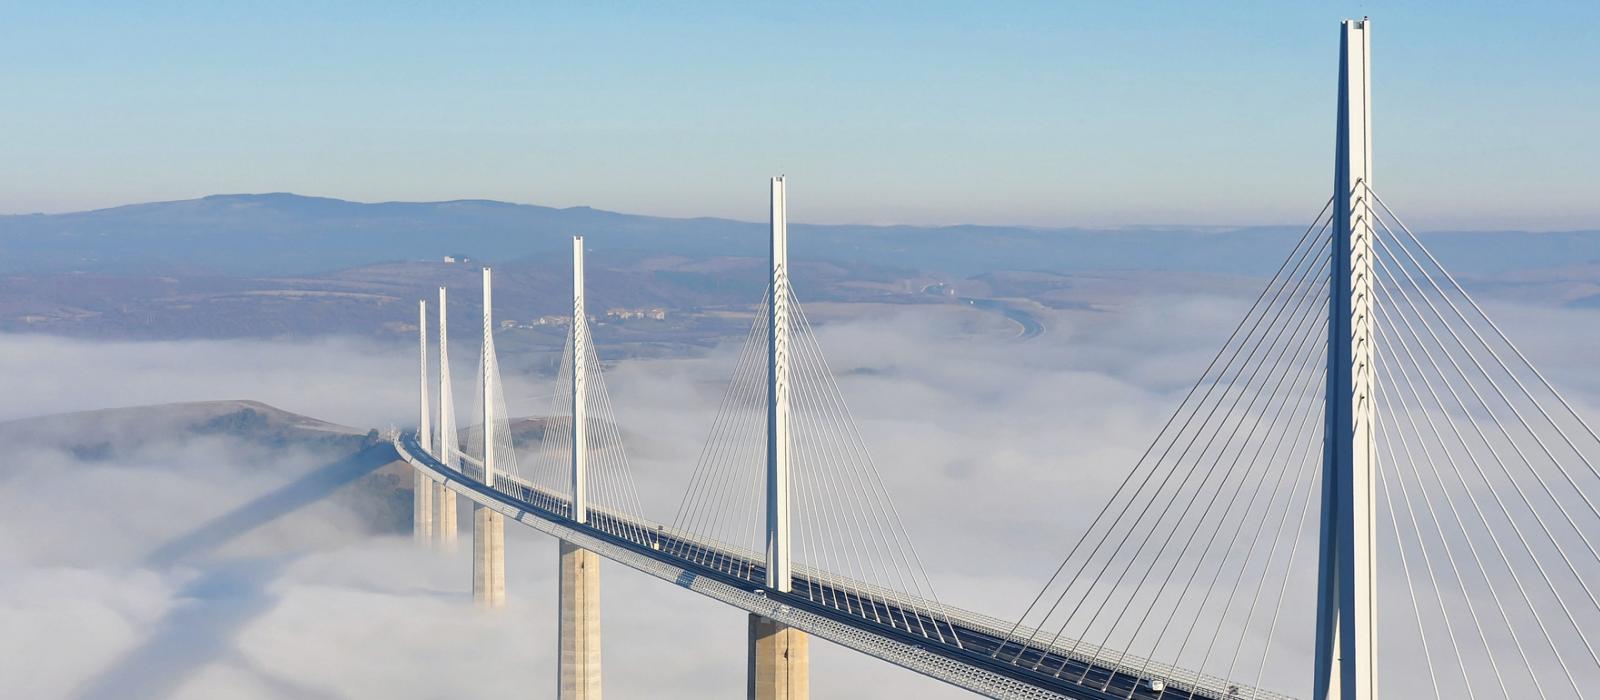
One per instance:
(1043,113)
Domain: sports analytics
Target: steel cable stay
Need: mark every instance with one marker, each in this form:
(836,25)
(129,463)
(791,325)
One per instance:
(1269,389)
(1405,408)
(1436,350)
(448,439)
(611,489)
(475,432)
(608,464)
(690,506)
(555,442)
(733,441)
(1488,409)
(1306,423)
(1248,388)
(1506,340)
(1460,439)
(1388,409)
(1275,392)
(854,463)
(740,456)
(811,562)
(1148,499)
(1171,420)
(1298,277)
(1504,468)
(821,487)
(1277,606)
(1270,293)
(1438,318)
(1310,466)
(1405,565)
(734,509)
(865,532)
(848,431)
(505,456)
(1156,531)
(855,553)
(627,499)
(813,490)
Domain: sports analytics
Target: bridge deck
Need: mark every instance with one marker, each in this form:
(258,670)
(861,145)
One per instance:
(915,629)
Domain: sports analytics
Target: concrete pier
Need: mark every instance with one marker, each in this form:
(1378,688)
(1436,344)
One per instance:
(444,516)
(488,557)
(421,508)
(580,624)
(780,661)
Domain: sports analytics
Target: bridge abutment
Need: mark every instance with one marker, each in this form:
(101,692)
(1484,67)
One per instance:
(580,623)
(779,661)
(488,558)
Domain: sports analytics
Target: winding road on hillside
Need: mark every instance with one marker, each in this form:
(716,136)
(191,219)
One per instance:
(1030,325)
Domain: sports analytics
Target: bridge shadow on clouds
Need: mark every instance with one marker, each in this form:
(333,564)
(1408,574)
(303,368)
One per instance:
(197,631)
(226,596)
(302,492)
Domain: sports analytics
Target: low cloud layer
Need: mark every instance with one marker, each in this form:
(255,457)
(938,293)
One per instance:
(997,452)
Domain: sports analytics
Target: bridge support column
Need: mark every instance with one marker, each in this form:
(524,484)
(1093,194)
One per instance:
(421,508)
(780,661)
(488,557)
(444,516)
(580,623)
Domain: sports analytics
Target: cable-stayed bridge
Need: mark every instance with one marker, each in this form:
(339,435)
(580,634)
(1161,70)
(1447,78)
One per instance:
(1366,440)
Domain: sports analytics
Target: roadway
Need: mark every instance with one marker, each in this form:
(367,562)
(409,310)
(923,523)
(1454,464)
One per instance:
(926,626)
(1029,325)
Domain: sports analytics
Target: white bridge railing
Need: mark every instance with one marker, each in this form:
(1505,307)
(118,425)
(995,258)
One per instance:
(1178,681)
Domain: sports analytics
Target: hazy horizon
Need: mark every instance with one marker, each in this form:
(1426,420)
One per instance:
(1019,113)
(801,221)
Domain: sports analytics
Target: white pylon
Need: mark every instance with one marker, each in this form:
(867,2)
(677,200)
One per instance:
(448,444)
(778,564)
(1347,615)
(580,389)
(489,370)
(421,485)
(424,429)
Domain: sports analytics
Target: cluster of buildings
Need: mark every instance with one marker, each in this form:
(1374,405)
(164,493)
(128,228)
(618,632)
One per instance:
(563,320)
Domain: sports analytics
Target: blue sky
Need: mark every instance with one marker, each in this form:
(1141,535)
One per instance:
(930,112)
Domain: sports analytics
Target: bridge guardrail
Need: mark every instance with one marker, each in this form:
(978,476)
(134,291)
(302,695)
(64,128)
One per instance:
(908,656)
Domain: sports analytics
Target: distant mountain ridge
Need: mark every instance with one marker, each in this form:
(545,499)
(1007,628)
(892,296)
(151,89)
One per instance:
(288,234)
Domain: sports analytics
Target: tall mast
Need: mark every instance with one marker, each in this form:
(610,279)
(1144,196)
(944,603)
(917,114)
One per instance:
(1347,624)
(447,403)
(424,429)
(580,389)
(778,565)
(489,372)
